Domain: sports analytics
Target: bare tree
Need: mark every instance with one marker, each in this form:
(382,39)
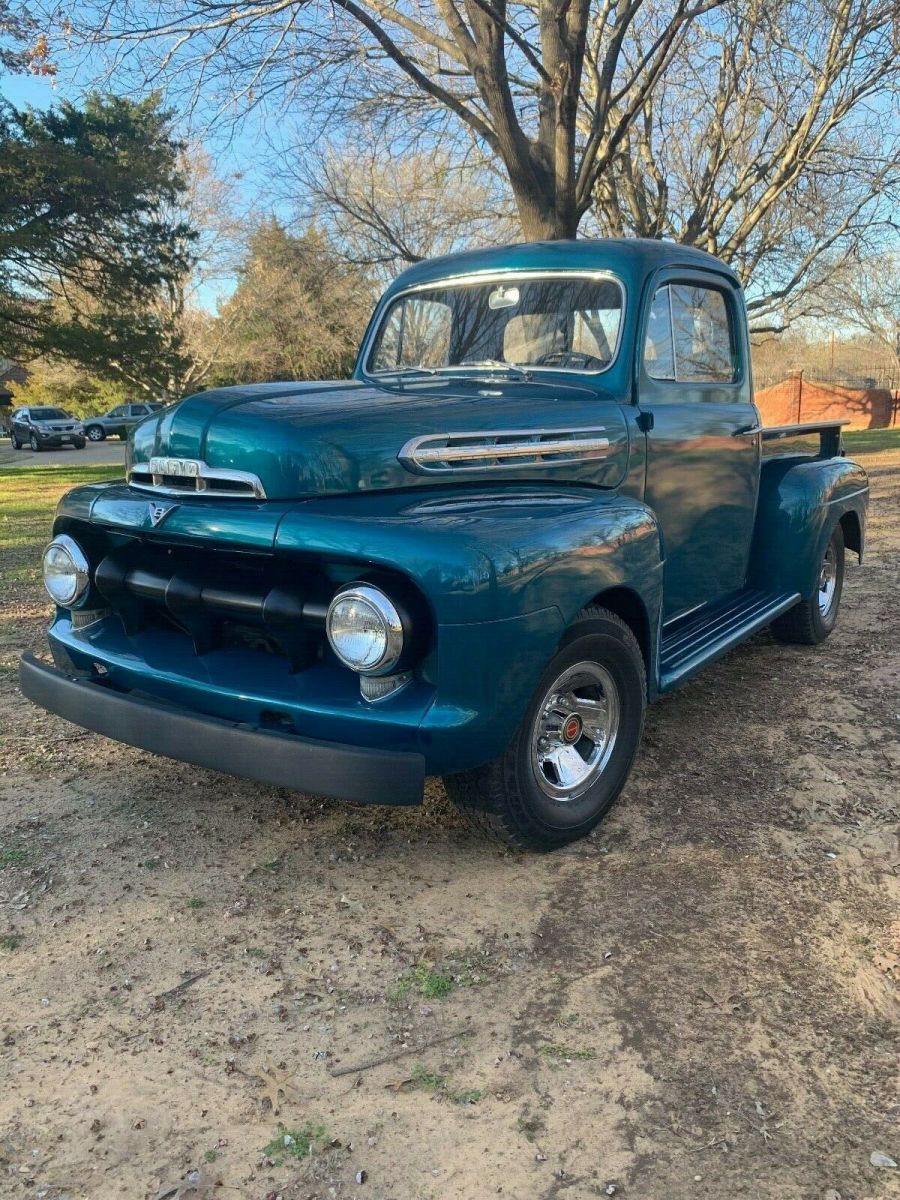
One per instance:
(771,142)
(544,85)
(867,296)
(386,210)
(758,129)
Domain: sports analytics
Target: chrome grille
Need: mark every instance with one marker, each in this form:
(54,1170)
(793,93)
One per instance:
(499,448)
(190,476)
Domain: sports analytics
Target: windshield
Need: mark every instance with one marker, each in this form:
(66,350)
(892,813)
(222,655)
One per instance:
(49,414)
(566,323)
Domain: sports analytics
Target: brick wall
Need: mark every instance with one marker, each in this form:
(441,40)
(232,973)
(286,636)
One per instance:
(796,400)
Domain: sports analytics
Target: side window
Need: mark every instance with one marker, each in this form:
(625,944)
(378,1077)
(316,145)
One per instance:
(139,410)
(702,334)
(659,353)
(121,410)
(690,338)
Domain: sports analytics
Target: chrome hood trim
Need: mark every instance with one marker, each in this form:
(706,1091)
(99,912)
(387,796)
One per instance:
(502,448)
(192,477)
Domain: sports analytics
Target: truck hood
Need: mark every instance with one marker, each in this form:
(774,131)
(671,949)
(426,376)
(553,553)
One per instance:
(313,439)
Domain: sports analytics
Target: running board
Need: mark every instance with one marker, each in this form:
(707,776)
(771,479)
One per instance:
(701,637)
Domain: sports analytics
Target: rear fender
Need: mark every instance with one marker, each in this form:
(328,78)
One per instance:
(800,502)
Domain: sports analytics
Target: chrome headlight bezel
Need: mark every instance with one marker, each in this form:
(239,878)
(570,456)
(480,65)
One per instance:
(380,604)
(80,572)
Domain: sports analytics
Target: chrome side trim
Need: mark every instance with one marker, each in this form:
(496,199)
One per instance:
(197,479)
(498,449)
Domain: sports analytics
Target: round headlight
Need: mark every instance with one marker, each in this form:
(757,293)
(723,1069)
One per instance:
(67,573)
(364,629)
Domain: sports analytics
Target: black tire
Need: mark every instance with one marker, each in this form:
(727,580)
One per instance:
(16,444)
(505,799)
(79,443)
(812,620)
(95,433)
(36,446)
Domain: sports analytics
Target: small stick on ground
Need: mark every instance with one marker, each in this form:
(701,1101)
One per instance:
(395,1054)
(180,987)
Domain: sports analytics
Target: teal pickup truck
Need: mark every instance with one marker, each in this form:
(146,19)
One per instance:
(543,499)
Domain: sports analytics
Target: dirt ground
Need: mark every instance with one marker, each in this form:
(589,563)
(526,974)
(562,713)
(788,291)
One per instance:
(699,1001)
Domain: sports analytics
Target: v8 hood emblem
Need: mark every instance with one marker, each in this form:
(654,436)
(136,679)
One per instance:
(158,511)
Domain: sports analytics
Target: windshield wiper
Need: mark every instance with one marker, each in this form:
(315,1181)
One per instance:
(495,364)
(405,371)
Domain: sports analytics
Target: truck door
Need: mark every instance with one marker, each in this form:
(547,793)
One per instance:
(696,404)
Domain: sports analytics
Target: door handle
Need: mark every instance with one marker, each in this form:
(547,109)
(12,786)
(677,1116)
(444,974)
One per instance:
(645,421)
(747,431)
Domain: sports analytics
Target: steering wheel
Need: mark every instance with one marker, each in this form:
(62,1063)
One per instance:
(569,358)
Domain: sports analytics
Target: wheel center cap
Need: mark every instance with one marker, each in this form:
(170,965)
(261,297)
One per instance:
(572,729)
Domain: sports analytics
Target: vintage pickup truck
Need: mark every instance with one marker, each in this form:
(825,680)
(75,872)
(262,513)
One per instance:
(543,499)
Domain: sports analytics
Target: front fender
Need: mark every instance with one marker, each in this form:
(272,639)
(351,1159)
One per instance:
(800,502)
(505,572)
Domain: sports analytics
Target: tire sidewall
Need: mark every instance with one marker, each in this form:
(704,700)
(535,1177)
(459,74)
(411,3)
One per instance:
(34,444)
(95,433)
(603,641)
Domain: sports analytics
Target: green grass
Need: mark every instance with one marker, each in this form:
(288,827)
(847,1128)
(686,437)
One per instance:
(440,1085)
(871,441)
(13,856)
(433,985)
(567,1053)
(295,1143)
(10,941)
(28,499)
(195,902)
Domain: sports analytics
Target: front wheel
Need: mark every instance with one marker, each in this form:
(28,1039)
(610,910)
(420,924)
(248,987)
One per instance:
(95,433)
(35,444)
(811,621)
(572,753)
(78,443)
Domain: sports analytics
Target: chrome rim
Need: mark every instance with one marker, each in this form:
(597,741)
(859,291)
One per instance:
(95,435)
(828,581)
(575,731)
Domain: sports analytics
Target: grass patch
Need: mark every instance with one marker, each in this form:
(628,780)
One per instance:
(433,985)
(871,441)
(10,941)
(296,1143)
(211,1155)
(440,1085)
(195,903)
(13,856)
(568,1053)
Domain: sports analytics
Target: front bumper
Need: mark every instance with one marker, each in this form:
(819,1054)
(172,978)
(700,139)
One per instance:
(59,439)
(364,775)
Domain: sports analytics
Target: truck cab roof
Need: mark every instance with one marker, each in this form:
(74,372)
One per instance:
(630,258)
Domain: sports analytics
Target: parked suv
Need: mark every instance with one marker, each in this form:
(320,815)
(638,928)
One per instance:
(119,420)
(45,428)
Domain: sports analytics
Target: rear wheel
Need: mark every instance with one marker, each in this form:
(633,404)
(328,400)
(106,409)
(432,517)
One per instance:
(571,755)
(16,444)
(812,620)
(95,433)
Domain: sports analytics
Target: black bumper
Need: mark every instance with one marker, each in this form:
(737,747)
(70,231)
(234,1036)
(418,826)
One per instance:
(365,776)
